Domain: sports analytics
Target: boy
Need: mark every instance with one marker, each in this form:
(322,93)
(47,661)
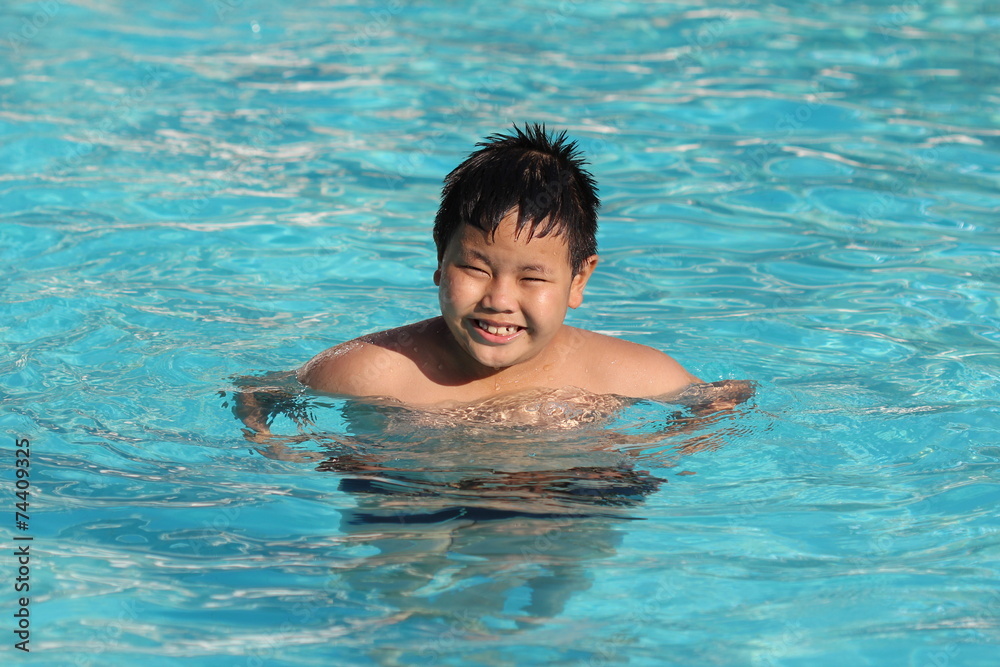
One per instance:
(516,245)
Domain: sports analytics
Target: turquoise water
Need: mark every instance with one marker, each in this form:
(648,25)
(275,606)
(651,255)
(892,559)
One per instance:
(800,194)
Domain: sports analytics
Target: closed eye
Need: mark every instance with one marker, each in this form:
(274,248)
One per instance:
(469,267)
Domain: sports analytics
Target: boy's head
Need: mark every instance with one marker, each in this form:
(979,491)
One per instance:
(540,176)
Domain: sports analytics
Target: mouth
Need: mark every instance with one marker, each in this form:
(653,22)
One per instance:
(495,332)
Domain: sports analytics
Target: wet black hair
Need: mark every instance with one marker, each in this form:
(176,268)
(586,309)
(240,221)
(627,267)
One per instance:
(541,175)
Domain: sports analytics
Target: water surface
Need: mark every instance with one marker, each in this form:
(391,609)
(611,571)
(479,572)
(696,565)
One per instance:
(802,195)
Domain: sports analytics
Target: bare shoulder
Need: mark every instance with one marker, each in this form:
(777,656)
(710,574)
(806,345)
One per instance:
(622,367)
(349,369)
(377,364)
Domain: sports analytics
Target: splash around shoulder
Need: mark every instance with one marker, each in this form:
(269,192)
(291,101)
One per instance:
(549,409)
(564,408)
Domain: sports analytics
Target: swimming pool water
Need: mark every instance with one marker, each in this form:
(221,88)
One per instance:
(800,194)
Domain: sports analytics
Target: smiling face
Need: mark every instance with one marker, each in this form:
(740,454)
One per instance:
(504,298)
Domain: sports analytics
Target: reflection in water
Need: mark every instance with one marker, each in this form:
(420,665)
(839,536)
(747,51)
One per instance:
(484,568)
(483,519)
(480,529)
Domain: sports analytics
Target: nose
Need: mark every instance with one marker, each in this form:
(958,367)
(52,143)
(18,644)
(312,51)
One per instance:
(500,295)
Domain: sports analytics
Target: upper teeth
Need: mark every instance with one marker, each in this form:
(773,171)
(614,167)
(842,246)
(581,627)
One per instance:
(497,331)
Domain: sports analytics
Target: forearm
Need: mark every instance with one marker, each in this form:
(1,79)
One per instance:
(706,403)
(707,397)
(248,410)
(258,398)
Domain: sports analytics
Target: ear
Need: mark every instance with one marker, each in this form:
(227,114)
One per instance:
(580,281)
(437,277)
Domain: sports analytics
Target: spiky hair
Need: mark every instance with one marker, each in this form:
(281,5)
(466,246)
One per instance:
(544,177)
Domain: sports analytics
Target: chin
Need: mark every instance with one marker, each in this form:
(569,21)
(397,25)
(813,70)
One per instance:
(495,361)
(496,364)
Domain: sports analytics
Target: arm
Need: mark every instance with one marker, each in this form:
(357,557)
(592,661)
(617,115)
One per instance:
(704,398)
(343,370)
(707,403)
(259,398)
